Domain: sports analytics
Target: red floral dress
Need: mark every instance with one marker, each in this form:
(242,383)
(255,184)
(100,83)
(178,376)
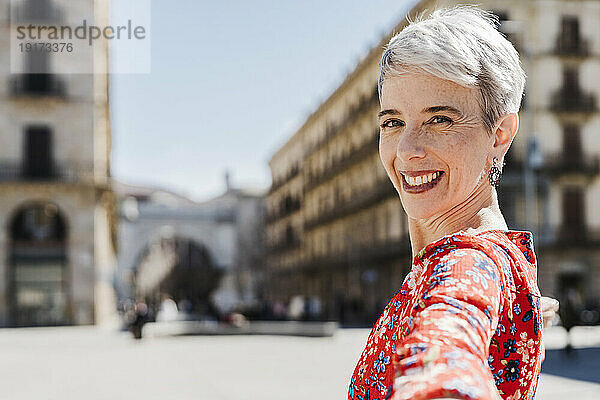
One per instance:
(466,323)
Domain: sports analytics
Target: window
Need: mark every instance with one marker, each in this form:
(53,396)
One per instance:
(570,82)
(570,32)
(570,96)
(573,212)
(37,78)
(289,235)
(38,223)
(572,143)
(37,157)
(570,42)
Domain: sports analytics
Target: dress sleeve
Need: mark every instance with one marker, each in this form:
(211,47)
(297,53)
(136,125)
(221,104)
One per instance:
(444,350)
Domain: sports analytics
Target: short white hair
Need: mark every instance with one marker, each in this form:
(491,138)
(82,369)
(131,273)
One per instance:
(460,44)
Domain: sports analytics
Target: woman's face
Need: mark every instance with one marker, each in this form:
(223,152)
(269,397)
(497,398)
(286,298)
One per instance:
(432,143)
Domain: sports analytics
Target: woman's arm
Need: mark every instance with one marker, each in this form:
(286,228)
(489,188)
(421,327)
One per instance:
(444,351)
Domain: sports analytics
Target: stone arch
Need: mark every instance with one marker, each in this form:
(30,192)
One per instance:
(179,267)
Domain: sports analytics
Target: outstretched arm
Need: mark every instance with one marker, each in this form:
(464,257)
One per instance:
(444,351)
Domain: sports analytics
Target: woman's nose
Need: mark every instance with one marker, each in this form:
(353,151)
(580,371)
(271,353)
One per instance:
(410,146)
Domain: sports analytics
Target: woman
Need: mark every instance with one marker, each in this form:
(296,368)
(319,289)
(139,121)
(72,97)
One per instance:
(466,322)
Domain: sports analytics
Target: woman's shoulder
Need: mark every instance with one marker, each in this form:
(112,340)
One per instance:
(510,251)
(460,240)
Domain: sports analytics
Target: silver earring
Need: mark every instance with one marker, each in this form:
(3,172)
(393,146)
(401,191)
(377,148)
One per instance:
(495,172)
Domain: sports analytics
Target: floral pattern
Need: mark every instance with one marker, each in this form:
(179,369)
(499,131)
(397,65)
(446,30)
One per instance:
(465,323)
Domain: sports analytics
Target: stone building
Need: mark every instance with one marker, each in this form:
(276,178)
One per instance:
(335,225)
(57,249)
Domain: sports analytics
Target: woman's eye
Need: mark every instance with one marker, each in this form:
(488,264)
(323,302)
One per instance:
(439,119)
(392,123)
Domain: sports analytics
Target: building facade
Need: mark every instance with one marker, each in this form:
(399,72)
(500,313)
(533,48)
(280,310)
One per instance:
(57,210)
(335,225)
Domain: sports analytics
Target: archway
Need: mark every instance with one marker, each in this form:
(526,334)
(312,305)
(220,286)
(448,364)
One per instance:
(181,269)
(38,282)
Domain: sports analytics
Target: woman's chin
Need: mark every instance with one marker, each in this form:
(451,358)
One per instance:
(419,210)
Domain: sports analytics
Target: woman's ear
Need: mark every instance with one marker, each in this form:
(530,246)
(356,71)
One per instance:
(505,131)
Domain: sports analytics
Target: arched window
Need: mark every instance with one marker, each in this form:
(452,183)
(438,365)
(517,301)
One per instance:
(40,222)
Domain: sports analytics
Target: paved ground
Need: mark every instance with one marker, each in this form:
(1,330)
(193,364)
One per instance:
(91,363)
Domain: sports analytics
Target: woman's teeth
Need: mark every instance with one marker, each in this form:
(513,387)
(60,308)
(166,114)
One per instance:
(421,180)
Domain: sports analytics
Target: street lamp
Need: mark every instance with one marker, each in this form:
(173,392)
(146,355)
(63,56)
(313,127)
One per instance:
(533,161)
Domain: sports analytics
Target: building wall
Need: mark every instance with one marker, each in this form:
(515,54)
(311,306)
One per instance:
(80,135)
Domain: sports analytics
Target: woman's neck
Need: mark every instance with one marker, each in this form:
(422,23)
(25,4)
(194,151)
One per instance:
(480,212)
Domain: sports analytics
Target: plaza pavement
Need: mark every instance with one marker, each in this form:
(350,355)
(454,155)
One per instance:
(91,363)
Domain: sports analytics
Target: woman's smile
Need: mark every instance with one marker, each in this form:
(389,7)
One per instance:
(420,181)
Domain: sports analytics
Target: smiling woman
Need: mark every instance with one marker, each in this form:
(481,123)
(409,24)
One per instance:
(432,125)
(467,321)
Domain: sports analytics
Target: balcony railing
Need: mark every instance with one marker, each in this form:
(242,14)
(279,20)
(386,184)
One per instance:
(287,207)
(561,163)
(289,243)
(26,250)
(36,11)
(566,46)
(559,237)
(37,85)
(17,172)
(369,253)
(292,173)
(569,99)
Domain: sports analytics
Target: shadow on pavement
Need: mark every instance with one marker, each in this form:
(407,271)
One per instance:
(582,364)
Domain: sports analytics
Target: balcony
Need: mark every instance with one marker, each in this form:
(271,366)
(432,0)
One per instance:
(373,253)
(569,99)
(17,172)
(35,251)
(558,237)
(567,163)
(287,244)
(292,173)
(37,85)
(36,12)
(571,48)
(286,207)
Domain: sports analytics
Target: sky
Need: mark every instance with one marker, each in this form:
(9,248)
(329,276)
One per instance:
(229,84)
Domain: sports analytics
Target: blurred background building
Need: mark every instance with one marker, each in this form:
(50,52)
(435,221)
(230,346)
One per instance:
(57,210)
(207,257)
(335,226)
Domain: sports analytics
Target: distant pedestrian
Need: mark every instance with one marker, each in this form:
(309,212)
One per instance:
(569,314)
(296,308)
(168,310)
(141,317)
(279,310)
(314,308)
